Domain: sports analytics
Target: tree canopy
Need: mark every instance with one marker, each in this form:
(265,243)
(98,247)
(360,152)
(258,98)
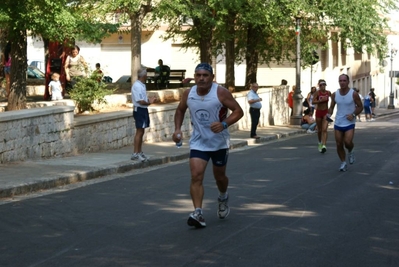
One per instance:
(56,20)
(264,31)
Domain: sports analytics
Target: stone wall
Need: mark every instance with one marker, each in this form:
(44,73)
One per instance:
(55,132)
(37,133)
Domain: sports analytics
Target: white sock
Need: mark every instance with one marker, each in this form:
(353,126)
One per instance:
(198,210)
(223,195)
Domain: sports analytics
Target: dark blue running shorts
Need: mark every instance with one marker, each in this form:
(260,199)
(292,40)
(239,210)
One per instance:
(344,129)
(219,157)
(141,117)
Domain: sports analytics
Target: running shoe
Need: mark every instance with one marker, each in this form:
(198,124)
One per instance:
(139,156)
(142,157)
(343,167)
(323,149)
(309,131)
(197,220)
(320,146)
(351,156)
(224,209)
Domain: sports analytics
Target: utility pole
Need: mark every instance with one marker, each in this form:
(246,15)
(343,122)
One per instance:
(391,95)
(297,97)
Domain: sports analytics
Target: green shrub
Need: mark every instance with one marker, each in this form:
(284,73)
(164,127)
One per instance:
(88,91)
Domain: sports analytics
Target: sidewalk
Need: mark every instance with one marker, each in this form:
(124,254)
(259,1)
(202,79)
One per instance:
(30,176)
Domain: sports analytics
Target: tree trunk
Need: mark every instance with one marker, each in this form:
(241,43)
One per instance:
(136,23)
(230,53)
(205,42)
(17,97)
(251,57)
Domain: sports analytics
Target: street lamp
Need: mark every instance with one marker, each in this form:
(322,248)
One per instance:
(297,97)
(391,95)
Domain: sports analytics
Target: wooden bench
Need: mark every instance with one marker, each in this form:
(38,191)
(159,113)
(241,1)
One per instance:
(174,75)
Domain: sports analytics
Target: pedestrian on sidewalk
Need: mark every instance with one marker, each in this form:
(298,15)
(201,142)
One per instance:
(255,104)
(208,103)
(321,98)
(368,100)
(75,68)
(308,122)
(359,119)
(309,99)
(6,62)
(290,99)
(140,113)
(349,106)
(373,97)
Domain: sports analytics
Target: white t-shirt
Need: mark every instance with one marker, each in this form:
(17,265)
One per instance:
(252,95)
(139,93)
(55,86)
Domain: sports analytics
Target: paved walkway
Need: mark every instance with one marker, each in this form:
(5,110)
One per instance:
(29,176)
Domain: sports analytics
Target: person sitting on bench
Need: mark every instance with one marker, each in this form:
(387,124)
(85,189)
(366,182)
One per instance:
(162,73)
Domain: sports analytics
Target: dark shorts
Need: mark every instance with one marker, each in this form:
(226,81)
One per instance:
(344,129)
(372,104)
(7,70)
(367,110)
(321,113)
(219,157)
(141,117)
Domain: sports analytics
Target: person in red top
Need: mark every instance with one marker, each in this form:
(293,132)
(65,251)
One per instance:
(321,98)
(6,61)
(290,99)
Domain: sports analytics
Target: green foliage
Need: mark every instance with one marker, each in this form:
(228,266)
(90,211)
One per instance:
(55,20)
(88,91)
(359,24)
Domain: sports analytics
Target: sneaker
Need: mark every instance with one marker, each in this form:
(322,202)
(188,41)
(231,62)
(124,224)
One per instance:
(372,119)
(320,146)
(323,149)
(224,209)
(142,157)
(310,131)
(197,220)
(343,167)
(351,156)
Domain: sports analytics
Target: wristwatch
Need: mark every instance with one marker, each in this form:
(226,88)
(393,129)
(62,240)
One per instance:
(224,125)
(354,115)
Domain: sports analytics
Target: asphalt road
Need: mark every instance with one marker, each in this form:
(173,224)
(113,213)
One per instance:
(290,207)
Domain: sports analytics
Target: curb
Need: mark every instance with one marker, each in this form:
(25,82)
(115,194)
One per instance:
(81,176)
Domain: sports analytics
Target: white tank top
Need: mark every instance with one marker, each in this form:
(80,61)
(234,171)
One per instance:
(345,106)
(204,110)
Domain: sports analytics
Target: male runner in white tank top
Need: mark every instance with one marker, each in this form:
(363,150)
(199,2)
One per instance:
(208,103)
(349,105)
